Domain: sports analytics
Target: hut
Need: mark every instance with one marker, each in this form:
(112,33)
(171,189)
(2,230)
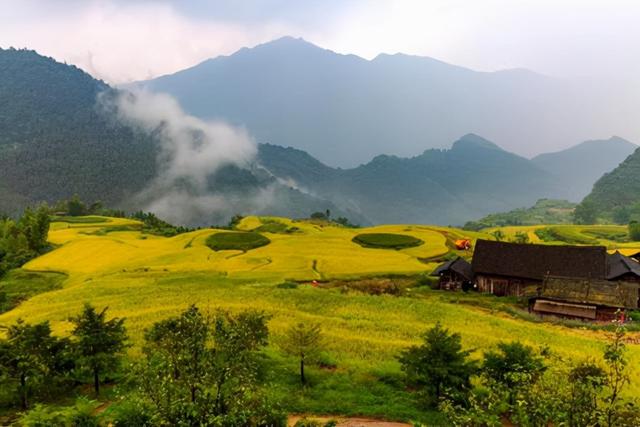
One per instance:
(586,299)
(513,269)
(622,268)
(454,275)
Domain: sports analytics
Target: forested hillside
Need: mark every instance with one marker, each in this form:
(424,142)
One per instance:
(615,196)
(473,178)
(54,141)
(580,166)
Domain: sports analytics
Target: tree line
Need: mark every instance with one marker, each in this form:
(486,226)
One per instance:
(517,384)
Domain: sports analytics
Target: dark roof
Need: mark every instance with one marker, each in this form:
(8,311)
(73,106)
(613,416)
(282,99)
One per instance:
(458,265)
(530,261)
(619,265)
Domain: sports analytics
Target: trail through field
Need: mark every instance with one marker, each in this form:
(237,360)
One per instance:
(349,421)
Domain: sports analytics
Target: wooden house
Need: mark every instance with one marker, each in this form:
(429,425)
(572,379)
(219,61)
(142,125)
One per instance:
(512,269)
(454,275)
(622,268)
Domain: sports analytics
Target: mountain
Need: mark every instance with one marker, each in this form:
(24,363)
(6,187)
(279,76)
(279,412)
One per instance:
(53,140)
(344,110)
(580,166)
(615,196)
(56,140)
(473,178)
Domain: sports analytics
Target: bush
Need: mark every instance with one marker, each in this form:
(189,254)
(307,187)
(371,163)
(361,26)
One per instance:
(386,241)
(235,240)
(287,285)
(634,231)
(131,413)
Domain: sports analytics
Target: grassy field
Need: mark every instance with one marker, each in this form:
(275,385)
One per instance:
(146,278)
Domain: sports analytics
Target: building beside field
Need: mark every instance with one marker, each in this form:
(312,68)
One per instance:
(455,275)
(572,281)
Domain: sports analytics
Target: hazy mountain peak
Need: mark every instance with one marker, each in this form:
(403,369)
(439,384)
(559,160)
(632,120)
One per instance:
(473,140)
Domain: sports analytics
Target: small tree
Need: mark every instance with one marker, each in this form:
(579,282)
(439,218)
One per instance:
(521,237)
(100,343)
(616,371)
(439,365)
(586,381)
(514,365)
(586,212)
(304,341)
(498,235)
(75,206)
(30,355)
(634,231)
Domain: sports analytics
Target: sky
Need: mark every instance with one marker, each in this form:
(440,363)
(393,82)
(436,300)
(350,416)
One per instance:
(121,41)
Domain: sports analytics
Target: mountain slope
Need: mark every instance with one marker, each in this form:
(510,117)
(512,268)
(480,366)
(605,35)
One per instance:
(473,178)
(616,191)
(580,166)
(344,110)
(56,140)
(53,140)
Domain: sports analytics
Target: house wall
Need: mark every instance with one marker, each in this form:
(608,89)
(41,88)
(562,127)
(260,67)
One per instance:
(506,286)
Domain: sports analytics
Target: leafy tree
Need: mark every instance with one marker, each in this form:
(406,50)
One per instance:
(514,364)
(199,370)
(616,372)
(521,237)
(75,206)
(498,235)
(29,356)
(319,215)
(586,212)
(304,342)
(586,382)
(99,343)
(439,366)
(634,231)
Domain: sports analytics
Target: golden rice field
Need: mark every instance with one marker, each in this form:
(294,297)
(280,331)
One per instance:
(146,278)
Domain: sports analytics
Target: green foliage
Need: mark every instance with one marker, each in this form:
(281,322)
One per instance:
(514,365)
(99,343)
(24,239)
(545,211)
(131,412)
(387,241)
(288,285)
(586,212)
(30,359)
(79,415)
(19,285)
(634,231)
(201,371)
(235,240)
(439,367)
(303,341)
(154,225)
(521,237)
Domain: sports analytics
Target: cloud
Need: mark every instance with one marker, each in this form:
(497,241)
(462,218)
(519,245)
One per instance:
(191,152)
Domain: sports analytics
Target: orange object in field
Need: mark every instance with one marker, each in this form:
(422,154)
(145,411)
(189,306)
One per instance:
(463,244)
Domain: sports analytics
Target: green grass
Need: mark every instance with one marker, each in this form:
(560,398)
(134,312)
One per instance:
(240,241)
(20,285)
(387,241)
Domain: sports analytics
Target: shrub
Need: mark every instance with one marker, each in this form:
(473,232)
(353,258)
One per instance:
(634,231)
(287,285)
(131,413)
(235,240)
(386,241)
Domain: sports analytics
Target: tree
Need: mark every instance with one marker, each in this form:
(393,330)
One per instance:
(439,365)
(304,342)
(498,235)
(616,372)
(586,212)
(634,231)
(521,237)
(75,206)
(99,343)
(198,369)
(586,381)
(29,355)
(514,365)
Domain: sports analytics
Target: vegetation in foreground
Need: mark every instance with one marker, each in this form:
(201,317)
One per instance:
(147,279)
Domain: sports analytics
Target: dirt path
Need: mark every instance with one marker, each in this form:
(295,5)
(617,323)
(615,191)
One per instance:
(349,421)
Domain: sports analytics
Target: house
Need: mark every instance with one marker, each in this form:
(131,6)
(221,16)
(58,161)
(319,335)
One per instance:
(454,275)
(622,268)
(513,269)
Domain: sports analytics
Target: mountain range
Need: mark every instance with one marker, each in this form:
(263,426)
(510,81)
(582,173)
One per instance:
(56,140)
(345,110)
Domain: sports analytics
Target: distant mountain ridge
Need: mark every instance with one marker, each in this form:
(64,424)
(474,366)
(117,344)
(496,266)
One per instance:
(580,166)
(344,110)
